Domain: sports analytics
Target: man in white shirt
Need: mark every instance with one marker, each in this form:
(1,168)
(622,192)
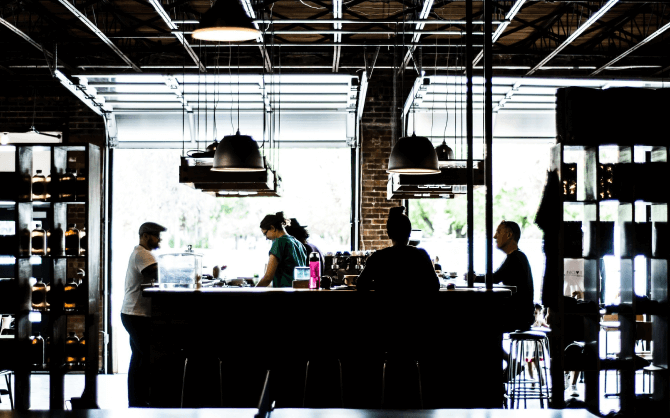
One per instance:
(136,311)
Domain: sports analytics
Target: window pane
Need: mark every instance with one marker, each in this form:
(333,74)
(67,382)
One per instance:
(316,191)
(519,172)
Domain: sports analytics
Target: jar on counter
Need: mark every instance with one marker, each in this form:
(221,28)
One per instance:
(71,349)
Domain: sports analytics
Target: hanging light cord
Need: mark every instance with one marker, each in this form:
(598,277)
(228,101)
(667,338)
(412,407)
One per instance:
(238,89)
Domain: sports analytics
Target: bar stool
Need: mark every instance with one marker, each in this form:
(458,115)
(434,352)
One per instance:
(307,376)
(183,381)
(8,374)
(519,385)
(397,360)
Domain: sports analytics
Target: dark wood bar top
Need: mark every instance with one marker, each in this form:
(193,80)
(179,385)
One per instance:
(151,291)
(303,413)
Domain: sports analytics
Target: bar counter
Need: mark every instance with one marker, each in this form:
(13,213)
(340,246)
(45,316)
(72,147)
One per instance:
(454,335)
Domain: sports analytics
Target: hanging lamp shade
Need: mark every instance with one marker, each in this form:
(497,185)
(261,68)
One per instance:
(226,21)
(238,153)
(413,155)
(444,152)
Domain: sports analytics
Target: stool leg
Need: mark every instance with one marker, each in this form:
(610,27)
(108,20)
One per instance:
(220,383)
(339,361)
(516,384)
(383,383)
(183,383)
(418,369)
(545,357)
(8,379)
(304,391)
(536,357)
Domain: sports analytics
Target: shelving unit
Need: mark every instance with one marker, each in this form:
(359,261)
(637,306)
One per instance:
(629,184)
(54,271)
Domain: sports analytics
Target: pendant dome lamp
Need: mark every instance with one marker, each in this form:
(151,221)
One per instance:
(226,21)
(413,155)
(238,153)
(444,152)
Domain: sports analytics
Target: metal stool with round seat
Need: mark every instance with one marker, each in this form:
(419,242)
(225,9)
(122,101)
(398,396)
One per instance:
(534,346)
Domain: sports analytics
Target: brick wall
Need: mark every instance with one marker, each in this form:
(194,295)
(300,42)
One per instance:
(376,144)
(44,103)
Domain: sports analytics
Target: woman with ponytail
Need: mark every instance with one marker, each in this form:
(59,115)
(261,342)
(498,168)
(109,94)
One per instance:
(286,252)
(401,267)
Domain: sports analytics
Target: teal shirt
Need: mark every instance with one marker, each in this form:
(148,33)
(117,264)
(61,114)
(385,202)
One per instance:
(290,253)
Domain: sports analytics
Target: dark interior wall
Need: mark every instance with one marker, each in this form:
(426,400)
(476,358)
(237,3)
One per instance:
(46,104)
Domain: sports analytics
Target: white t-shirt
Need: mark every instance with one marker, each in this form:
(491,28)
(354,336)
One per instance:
(133,301)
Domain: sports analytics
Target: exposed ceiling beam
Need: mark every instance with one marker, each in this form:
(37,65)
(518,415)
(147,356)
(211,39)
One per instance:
(423,15)
(158,7)
(32,42)
(99,33)
(501,28)
(594,18)
(261,38)
(629,51)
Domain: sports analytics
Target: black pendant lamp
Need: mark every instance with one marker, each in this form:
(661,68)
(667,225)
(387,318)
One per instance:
(444,152)
(413,155)
(226,21)
(238,153)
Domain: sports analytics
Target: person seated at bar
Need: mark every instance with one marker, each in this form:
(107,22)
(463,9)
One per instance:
(286,252)
(515,271)
(300,233)
(401,267)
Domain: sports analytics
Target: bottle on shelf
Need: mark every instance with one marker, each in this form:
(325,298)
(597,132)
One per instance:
(71,349)
(82,351)
(39,187)
(72,243)
(67,186)
(39,295)
(70,294)
(38,240)
(80,187)
(37,351)
(83,241)
(56,242)
(48,296)
(81,296)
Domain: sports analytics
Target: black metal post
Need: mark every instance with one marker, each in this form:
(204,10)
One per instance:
(488,136)
(469,56)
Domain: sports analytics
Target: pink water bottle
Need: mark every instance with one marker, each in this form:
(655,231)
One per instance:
(314,271)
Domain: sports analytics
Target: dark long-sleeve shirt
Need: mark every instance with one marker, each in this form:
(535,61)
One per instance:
(515,271)
(399,269)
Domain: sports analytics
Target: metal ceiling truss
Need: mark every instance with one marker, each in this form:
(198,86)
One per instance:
(531,34)
(94,28)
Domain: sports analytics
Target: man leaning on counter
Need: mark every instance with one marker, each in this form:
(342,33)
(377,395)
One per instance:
(136,311)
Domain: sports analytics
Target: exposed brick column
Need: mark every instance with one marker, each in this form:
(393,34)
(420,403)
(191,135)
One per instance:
(376,144)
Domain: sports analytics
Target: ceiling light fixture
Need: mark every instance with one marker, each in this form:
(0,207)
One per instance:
(226,21)
(238,153)
(444,152)
(413,155)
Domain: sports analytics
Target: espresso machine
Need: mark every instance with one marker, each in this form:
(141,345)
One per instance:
(343,264)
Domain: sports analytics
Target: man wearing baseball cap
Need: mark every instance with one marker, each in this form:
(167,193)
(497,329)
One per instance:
(136,311)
